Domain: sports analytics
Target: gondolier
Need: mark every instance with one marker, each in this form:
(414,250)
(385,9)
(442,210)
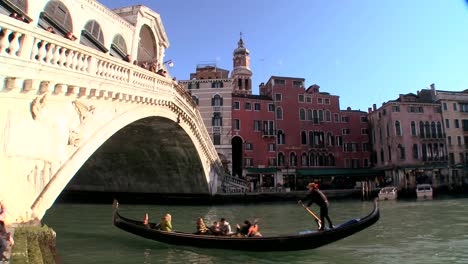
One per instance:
(317,196)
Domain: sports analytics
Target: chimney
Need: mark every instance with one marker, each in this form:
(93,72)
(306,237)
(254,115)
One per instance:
(374,106)
(369,110)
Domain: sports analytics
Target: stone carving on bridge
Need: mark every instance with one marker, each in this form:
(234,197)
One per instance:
(83,110)
(38,106)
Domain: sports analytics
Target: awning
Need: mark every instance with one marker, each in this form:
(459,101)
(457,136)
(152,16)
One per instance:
(261,170)
(339,172)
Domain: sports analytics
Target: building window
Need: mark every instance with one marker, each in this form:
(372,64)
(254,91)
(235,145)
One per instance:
(217,120)
(271,107)
(459,141)
(310,116)
(279,113)
(308,99)
(278,97)
(257,107)
(364,131)
(396,108)
(279,82)
(364,119)
(236,124)
(292,159)
(397,128)
(365,146)
(297,84)
(337,118)
(319,100)
(327,101)
(236,105)
(271,147)
(327,116)
(217,84)
(449,139)
(415,151)
(457,123)
(346,131)
(444,105)
(389,153)
(301,98)
(401,152)
(248,146)
(303,138)
(280,159)
(257,125)
(339,141)
(248,106)
(272,162)
(216,139)
(320,115)
(345,119)
(280,137)
(217,100)
(93,37)
(439,130)
(268,128)
(302,114)
(413,128)
(454,106)
(464,108)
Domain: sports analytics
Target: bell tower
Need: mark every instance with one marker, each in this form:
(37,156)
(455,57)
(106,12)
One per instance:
(241,73)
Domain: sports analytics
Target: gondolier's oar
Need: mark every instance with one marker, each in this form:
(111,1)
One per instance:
(313,214)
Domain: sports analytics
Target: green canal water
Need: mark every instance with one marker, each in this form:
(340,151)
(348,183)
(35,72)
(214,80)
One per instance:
(408,232)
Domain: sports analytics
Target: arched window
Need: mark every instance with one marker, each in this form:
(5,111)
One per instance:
(382,155)
(147,49)
(292,159)
(217,120)
(415,151)
(57,16)
(118,47)
(312,159)
(280,137)
(302,114)
(310,116)
(311,138)
(279,113)
(427,127)
(303,138)
(331,160)
(280,159)
(397,128)
(246,84)
(421,129)
(327,116)
(439,130)
(433,130)
(217,100)
(304,160)
(92,36)
(320,115)
(401,152)
(413,128)
(19,7)
(330,139)
(316,117)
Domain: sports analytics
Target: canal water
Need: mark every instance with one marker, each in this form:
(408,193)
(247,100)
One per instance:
(408,231)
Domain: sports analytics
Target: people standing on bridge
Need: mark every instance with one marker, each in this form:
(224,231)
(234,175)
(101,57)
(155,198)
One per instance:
(317,196)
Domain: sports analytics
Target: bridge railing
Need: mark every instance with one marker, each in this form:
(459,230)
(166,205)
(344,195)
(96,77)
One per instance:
(95,73)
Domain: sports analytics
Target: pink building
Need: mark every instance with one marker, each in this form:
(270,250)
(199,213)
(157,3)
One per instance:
(408,140)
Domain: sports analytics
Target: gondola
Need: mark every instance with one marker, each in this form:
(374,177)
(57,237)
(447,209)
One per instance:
(299,241)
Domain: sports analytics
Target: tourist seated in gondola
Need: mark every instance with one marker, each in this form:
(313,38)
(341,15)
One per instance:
(244,230)
(214,229)
(146,221)
(166,223)
(201,227)
(253,231)
(225,227)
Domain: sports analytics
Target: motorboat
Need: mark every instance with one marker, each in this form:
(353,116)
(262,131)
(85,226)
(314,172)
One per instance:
(388,193)
(424,191)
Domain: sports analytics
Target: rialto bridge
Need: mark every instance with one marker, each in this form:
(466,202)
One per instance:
(76,107)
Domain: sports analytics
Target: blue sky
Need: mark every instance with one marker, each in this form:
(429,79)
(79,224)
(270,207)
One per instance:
(365,51)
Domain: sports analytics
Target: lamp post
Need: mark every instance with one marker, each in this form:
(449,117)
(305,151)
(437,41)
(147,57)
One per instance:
(169,63)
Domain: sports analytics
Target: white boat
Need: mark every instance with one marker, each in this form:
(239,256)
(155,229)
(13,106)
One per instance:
(424,191)
(388,193)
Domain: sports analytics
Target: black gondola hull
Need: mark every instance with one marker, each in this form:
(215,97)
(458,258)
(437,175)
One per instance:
(292,242)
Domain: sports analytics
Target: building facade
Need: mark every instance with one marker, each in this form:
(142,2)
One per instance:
(408,140)
(455,120)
